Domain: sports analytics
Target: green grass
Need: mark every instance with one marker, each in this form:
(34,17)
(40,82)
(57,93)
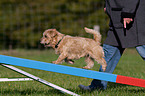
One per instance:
(131,64)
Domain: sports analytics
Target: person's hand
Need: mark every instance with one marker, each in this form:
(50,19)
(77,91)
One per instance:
(127,21)
(105,9)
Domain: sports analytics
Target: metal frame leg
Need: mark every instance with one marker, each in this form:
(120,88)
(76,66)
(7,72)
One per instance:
(39,80)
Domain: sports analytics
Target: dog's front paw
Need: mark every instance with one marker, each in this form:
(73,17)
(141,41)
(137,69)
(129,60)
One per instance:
(54,62)
(86,67)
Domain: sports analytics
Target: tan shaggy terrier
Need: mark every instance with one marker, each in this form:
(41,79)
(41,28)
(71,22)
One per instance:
(70,48)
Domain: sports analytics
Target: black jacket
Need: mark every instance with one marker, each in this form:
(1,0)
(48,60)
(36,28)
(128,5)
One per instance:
(134,34)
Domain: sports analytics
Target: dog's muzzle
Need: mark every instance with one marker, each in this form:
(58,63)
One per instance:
(46,45)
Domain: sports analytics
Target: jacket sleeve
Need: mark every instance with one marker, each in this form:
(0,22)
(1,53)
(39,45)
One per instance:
(129,8)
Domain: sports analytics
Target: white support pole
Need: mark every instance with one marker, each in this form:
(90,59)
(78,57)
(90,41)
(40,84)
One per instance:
(39,80)
(15,79)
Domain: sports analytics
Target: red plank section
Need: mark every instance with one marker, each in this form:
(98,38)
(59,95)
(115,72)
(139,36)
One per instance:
(130,81)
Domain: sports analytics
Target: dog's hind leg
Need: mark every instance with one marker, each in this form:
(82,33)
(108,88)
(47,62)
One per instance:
(61,57)
(98,57)
(89,61)
(103,63)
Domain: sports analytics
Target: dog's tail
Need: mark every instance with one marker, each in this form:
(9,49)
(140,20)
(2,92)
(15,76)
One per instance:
(97,35)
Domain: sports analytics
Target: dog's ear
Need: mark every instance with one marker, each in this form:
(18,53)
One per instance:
(53,32)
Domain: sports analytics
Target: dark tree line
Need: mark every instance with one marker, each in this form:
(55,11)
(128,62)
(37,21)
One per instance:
(23,21)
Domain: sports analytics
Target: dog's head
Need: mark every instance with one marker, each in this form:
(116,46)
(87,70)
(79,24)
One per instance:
(50,38)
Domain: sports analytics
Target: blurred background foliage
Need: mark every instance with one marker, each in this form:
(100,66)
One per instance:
(22,22)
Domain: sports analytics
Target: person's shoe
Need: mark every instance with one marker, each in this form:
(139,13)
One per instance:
(85,88)
(89,88)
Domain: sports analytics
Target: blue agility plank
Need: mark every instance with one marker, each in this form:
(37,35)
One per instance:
(57,68)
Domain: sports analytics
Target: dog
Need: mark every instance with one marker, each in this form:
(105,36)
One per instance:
(69,47)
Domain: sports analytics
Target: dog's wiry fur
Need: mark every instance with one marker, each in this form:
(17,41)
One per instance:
(70,48)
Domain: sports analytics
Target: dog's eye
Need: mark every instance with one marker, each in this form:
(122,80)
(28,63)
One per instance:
(45,36)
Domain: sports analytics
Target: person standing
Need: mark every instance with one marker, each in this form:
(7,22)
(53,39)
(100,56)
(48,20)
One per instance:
(126,29)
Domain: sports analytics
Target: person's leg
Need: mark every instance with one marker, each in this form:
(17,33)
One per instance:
(141,51)
(112,56)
